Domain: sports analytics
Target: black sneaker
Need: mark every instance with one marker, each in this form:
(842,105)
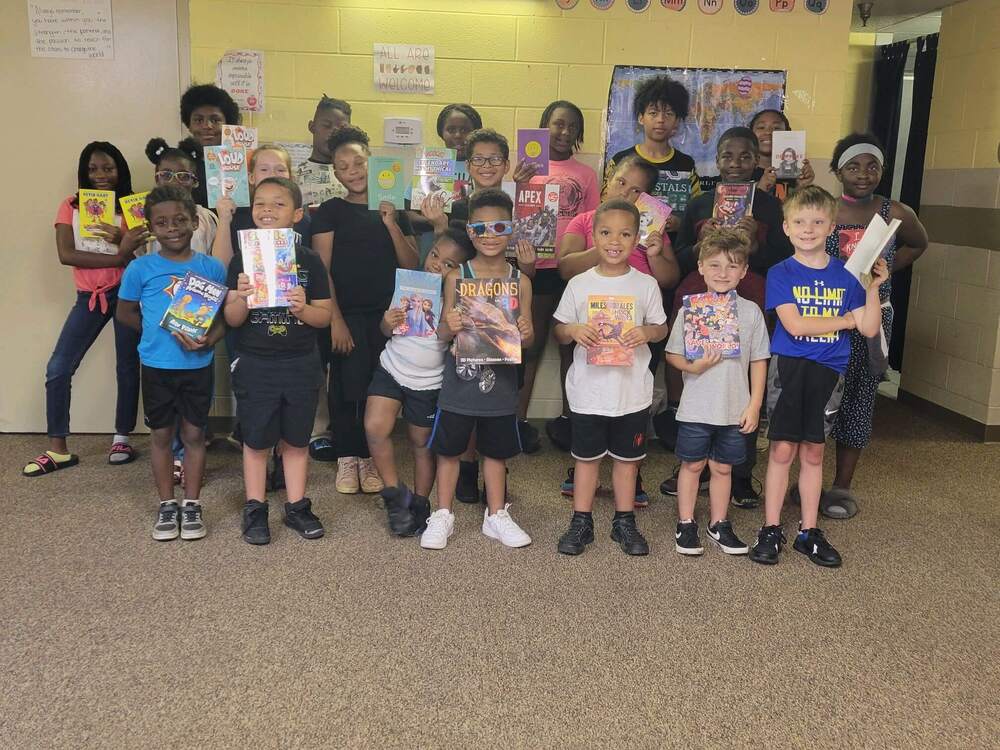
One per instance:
(531,442)
(255,528)
(579,534)
(420,511)
(300,518)
(626,533)
(560,432)
(397,507)
(722,534)
(276,475)
(687,539)
(467,489)
(669,486)
(812,543)
(744,494)
(321,449)
(641,498)
(770,540)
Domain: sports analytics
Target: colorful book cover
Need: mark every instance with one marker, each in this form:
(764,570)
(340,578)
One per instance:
(536,213)
(653,215)
(240,135)
(711,324)
(269,261)
(96,207)
(733,201)
(134,209)
(675,189)
(385,181)
(613,316)
(195,303)
(434,172)
(226,175)
(419,295)
(533,148)
(489,308)
(788,150)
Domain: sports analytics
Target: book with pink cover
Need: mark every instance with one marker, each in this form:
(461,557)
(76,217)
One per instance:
(653,215)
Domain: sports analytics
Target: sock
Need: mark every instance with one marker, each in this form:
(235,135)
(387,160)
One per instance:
(189,501)
(619,514)
(168,500)
(120,439)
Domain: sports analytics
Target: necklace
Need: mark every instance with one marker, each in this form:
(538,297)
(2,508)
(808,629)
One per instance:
(855,201)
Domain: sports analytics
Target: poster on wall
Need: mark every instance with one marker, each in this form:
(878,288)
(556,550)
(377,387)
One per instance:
(404,68)
(72,29)
(241,73)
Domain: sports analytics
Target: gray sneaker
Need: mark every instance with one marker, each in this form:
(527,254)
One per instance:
(167,522)
(192,526)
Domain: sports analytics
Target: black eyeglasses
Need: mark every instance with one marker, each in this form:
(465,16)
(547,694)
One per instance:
(482,161)
(491,228)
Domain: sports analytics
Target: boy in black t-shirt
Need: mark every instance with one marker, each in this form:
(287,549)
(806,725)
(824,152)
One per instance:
(276,378)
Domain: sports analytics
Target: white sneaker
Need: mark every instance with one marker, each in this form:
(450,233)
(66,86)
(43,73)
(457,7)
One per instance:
(440,526)
(504,529)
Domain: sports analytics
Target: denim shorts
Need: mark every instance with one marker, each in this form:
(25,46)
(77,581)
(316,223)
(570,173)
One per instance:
(724,444)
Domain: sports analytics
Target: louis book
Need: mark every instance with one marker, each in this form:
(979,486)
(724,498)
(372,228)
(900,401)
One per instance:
(134,209)
(269,261)
(96,207)
(490,309)
(226,175)
(613,316)
(653,215)
(419,295)
(536,214)
(533,148)
(711,325)
(733,201)
(239,135)
(434,173)
(385,181)
(196,302)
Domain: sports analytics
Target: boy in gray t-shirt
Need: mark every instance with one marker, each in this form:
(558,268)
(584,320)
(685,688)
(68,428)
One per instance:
(722,394)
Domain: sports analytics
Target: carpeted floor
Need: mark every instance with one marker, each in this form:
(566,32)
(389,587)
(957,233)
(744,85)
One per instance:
(111,640)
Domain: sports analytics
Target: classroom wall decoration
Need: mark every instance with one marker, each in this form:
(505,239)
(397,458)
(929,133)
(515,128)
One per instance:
(637,5)
(746,7)
(673,4)
(567,4)
(241,73)
(782,6)
(710,7)
(404,68)
(817,6)
(72,29)
(602,4)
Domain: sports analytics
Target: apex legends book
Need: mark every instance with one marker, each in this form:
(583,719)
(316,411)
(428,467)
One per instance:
(196,302)
(490,309)
(613,316)
(536,214)
(711,325)
(269,261)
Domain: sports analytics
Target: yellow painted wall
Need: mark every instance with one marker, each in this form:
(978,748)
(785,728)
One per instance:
(858,83)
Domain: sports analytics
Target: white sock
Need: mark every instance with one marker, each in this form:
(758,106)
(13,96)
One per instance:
(190,502)
(120,439)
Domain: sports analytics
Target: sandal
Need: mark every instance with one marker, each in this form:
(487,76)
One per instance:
(47,464)
(178,472)
(838,504)
(122,449)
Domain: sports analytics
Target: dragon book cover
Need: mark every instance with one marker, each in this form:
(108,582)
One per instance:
(490,309)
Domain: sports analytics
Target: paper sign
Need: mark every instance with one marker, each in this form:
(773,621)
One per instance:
(404,68)
(77,29)
(710,7)
(299,152)
(241,73)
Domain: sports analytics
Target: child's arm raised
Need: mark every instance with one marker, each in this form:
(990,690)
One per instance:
(524,319)
(868,319)
(406,254)
(222,246)
(127,313)
(911,235)
(575,256)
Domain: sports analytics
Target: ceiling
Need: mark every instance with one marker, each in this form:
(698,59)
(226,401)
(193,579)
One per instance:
(902,18)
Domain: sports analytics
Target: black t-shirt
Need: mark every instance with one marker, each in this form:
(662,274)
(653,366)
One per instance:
(364,261)
(274,332)
(243,219)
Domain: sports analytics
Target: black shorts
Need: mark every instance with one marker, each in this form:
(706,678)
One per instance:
(419,407)
(496,437)
(595,436)
(548,282)
(276,399)
(803,398)
(168,394)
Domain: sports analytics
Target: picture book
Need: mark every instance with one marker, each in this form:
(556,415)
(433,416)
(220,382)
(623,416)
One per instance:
(788,150)
(536,211)
(533,148)
(226,175)
(240,135)
(674,188)
(419,295)
(711,324)
(613,316)
(385,181)
(134,209)
(860,253)
(434,173)
(195,303)
(733,201)
(489,308)
(96,207)
(653,215)
(269,261)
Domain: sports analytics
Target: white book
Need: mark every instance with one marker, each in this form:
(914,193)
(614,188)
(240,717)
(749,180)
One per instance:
(871,246)
(788,151)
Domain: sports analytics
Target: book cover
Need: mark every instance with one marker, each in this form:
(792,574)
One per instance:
(653,215)
(385,181)
(733,201)
(195,303)
(419,295)
(134,209)
(711,324)
(674,188)
(96,207)
(860,253)
(788,150)
(536,213)
(240,135)
(269,261)
(533,148)
(613,316)
(490,309)
(434,173)
(226,175)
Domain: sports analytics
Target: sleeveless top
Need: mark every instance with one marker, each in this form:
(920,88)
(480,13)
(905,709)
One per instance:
(845,237)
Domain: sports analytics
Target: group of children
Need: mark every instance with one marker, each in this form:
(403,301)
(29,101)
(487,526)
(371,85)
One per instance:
(325,376)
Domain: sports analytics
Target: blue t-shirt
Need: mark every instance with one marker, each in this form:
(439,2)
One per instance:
(817,293)
(150,281)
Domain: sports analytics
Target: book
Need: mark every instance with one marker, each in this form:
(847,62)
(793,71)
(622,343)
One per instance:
(613,316)
(536,213)
(733,201)
(96,207)
(194,305)
(490,309)
(860,253)
(653,215)
(419,295)
(226,175)
(385,181)
(240,135)
(533,148)
(434,173)
(134,209)
(674,188)
(788,150)
(269,261)
(711,324)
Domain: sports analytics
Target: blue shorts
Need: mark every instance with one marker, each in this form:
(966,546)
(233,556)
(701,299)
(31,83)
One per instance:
(724,444)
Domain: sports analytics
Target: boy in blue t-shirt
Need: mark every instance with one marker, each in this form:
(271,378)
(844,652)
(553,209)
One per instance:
(176,369)
(816,300)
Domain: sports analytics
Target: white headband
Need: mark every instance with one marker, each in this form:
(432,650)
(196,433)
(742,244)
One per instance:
(858,149)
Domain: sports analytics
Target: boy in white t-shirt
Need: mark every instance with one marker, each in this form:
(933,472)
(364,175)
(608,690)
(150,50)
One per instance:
(611,312)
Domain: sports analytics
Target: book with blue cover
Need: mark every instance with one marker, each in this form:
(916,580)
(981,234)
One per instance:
(386,181)
(196,302)
(418,294)
(226,175)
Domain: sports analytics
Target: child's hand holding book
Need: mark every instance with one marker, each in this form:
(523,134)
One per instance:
(225,209)
(711,359)
(296,297)
(526,256)
(654,244)
(191,344)
(388,213)
(585,335)
(394,317)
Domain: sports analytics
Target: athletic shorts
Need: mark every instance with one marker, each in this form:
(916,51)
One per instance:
(169,394)
(496,437)
(803,398)
(276,398)
(595,436)
(419,407)
(724,444)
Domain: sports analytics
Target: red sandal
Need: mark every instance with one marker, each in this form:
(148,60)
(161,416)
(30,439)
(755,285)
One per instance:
(47,464)
(122,449)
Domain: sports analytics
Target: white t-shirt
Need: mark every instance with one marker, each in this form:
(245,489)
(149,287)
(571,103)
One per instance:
(606,390)
(415,362)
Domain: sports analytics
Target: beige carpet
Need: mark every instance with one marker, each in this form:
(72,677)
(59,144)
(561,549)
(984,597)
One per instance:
(111,640)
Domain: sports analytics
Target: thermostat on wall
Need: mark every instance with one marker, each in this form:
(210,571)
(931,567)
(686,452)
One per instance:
(403,131)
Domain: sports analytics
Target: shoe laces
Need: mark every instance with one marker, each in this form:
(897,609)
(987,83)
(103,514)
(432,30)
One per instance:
(436,523)
(503,519)
(628,530)
(774,534)
(190,513)
(366,469)
(577,527)
(168,513)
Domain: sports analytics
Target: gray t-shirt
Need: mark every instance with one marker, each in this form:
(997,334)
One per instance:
(720,395)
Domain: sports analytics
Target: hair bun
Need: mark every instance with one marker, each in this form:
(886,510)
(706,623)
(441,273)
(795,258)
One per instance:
(155,148)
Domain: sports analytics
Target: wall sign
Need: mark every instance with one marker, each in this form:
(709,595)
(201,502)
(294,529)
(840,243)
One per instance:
(74,29)
(241,73)
(782,6)
(673,4)
(817,6)
(710,7)
(746,7)
(404,68)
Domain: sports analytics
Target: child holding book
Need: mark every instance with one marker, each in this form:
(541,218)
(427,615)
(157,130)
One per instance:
(176,369)
(816,301)
(315,175)
(480,398)
(722,397)
(177,167)
(98,264)
(277,376)
(609,404)
(763,124)
(205,108)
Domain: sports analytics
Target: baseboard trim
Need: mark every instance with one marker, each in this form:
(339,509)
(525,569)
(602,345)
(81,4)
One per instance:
(984,433)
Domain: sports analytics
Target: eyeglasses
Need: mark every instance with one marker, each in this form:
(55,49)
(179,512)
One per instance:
(482,161)
(492,228)
(182,178)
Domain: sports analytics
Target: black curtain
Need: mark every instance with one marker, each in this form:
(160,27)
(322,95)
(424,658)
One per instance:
(887,93)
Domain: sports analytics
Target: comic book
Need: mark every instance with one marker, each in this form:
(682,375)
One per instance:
(419,295)
(386,181)
(434,172)
(613,316)
(134,209)
(733,201)
(96,207)
(536,213)
(269,261)
(711,324)
(226,175)
(240,135)
(533,148)
(490,309)
(674,188)
(788,151)
(653,215)
(195,303)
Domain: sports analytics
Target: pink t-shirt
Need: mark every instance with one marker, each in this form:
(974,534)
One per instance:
(97,281)
(578,192)
(583,224)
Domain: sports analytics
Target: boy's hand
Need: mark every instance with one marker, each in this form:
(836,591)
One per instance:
(526,255)
(394,317)
(296,300)
(225,209)
(132,239)
(340,337)
(748,224)
(433,209)
(636,337)
(243,287)
(673,223)
(525,327)
(767,180)
(524,171)
(711,359)
(108,232)
(453,319)
(388,214)
(585,335)
(880,273)
(707,225)
(807,176)
(849,322)
(749,417)
(190,344)
(654,246)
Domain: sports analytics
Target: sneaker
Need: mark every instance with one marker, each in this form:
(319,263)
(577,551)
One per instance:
(321,449)
(566,488)
(504,529)
(467,489)
(579,534)
(254,527)
(397,507)
(371,482)
(560,432)
(276,474)
(167,524)
(192,525)
(770,540)
(420,511)
(530,440)
(300,518)
(687,539)
(440,527)
(347,475)
(744,494)
(722,534)
(669,486)
(626,533)
(641,498)
(812,543)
